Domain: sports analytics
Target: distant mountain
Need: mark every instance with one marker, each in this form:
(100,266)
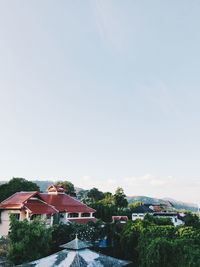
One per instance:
(167,201)
(182,205)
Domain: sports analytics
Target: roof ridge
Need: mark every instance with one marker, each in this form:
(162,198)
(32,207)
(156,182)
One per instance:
(9,197)
(33,193)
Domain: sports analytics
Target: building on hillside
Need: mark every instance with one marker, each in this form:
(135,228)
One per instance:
(140,212)
(28,205)
(76,253)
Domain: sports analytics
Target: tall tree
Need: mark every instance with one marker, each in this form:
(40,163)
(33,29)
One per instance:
(68,186)
(120,198)
(95,195)
(16,185)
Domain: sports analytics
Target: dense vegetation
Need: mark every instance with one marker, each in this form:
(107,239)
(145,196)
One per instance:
(152,242)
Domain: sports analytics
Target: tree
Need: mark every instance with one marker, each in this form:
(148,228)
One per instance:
(120,198)
(108,199)
(61,234)
(129,238)
(28,241)
(134,205)
(68,186)
(82,194)
(16,185)
(95,195)
(192,220)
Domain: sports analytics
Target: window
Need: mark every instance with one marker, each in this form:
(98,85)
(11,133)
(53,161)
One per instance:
(86,214)
(48,216)
(72,215)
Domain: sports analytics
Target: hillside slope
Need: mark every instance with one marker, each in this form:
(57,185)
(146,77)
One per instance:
(176,204)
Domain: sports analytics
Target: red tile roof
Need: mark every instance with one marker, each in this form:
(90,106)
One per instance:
(39,203)
(37,206)
(63,202)
(17,200)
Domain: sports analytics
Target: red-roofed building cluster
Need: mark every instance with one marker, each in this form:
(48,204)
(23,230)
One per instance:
(28,205)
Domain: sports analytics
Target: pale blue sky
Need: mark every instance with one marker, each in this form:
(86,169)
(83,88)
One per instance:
(103,93)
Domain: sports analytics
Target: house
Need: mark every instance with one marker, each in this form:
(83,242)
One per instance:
(28,205)
(77,253)
(69,208)
(140,212)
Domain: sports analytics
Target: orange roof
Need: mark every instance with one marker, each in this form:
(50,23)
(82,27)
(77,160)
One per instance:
(63,202)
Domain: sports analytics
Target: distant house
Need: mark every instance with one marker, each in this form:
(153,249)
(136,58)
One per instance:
(28,205)
(140,212)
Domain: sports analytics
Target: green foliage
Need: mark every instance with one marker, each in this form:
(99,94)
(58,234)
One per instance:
(28,241)
(68,186)
(168,246)
(129,238)
(191,219)
(160,252)
(104,212)
(108,199)
(150,219)
(3,246)
(16,185)
(120,198)
(86,232)
(61,234)
(82,195)
(95,195)
(134,205)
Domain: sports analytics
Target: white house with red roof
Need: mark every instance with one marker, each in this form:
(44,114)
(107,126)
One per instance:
(28,205)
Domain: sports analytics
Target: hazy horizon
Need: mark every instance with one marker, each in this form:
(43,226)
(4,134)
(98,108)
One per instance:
(102,93)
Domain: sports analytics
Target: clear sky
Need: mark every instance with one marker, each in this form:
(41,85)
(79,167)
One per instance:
(102,93)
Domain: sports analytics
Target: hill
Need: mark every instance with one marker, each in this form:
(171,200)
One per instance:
(176,204)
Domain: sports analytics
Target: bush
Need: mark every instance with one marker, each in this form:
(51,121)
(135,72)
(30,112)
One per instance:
(28,241)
